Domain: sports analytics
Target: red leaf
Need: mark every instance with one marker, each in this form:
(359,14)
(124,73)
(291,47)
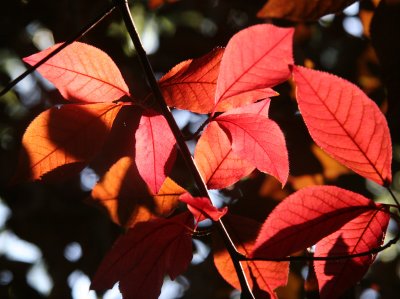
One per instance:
(306,217)
(345,123)
(361,234)
(261,107)
(155,150)
(191,84)
(128,200)
(301,10)
(65,135)
(202,208)
(256,57)
(82,73)
(258,140)
(153,4)
(217,164)
(140,258)
(265,276)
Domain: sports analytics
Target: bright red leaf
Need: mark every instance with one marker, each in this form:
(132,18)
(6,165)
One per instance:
(202,208)
(155,149)
(345,123)
(361,234)
(256,57)
(264,276)
(82,73)
(127,198)
(217,164)
(191,84)
(65,136)
(258,140)
(261,107)
(140,258)
(307,216)
(302,10)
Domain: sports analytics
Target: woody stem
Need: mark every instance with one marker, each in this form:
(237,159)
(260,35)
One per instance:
(129,23)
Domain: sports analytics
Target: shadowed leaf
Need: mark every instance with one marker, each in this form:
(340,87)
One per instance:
(127,198)
(65,135)
(140,258)
(307,216)
(265,276)
(361,234)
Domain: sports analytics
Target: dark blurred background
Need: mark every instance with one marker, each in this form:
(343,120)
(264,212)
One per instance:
(52,238)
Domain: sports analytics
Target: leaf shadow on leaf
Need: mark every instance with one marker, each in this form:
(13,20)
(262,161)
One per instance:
(335,285)
(316,229)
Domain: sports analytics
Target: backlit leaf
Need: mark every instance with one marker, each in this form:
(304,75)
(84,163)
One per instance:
(127,198)
(140,258)
(191,84)
(302,10)
(256,57)
(155,150)
(361,234)
(63,136)
(202,208)
(217,164)
(82,73)
(345,123)
(262,276)
(258,140)
(307,216)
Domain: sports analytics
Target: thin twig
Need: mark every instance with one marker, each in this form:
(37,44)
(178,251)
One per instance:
(125,11)
(79,35)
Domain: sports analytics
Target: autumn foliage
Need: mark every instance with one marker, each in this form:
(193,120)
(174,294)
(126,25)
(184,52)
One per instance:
(234,88)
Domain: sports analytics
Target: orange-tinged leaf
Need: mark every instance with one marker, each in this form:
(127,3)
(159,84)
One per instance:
(140,258)
(202,208)
(307,216)
(361,234)
(82,73)
(65,135)
(256,57)
(191,84)
(262,276)
(258,140)
(155,149)
(217,164)
(345,123)
(127,198)
(302,10)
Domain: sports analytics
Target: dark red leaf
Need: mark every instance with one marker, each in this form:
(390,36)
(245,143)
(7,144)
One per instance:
(345,123)
(255,58)
(307,216)
(155,150)
(140,258)
(361,234)
(262,276)
(82,73)
(202,208)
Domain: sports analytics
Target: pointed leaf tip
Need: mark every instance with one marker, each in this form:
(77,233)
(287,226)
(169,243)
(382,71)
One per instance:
(82,73)
(345,123)
(202,208)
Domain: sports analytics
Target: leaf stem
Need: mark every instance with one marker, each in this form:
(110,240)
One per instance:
(79,35)
(393,196)
(149,74)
